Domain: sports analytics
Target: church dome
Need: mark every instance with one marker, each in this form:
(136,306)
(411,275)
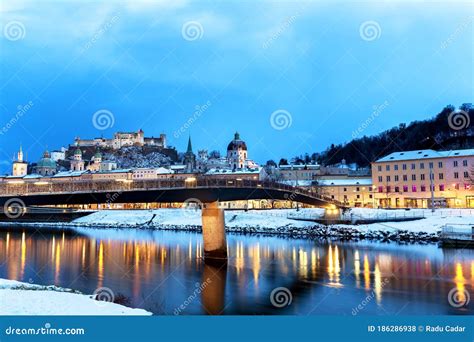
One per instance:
(78,152)
(46,161)
(237,143)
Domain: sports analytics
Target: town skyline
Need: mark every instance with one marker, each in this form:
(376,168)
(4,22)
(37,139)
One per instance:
(60,75)
(163,139)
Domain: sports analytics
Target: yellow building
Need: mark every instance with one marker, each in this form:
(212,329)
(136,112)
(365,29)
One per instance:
(352,191)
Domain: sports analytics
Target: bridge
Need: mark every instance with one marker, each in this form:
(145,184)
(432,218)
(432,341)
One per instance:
(209,192)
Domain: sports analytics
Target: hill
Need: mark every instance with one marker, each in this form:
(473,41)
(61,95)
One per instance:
(449,129)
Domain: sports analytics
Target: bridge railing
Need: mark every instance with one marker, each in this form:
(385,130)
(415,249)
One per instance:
(123,185)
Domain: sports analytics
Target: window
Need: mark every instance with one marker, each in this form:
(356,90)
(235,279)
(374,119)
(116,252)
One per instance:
(413,177)
(395,167)
(380,179)
(357,189)
(422,166)
(405,188)
(389,189)
(388,178)
(345,189)
(370,196)
(441,187)
(440,164)
(464,163)
(423,188)
(396,178)
(379,168)
(358,196)
(466,174)
(370,189)
(413,188)
(387,167)
(431,165)
(332,196)
(441,176)
(397,189)
(380,188)
(404,166)
(405,178)
(413,166)
(422,176)
(455,163)
(456,175)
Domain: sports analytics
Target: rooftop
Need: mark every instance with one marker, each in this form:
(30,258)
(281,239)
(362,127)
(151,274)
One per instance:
(233,172)
(424,154)
(345,181)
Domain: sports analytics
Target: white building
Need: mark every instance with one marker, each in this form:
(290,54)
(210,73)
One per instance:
(151,173)
(20,166)
(77,164)
(123,139)
(58,155)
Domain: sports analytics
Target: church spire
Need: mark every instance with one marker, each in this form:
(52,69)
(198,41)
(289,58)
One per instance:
(190,146)
(20,154)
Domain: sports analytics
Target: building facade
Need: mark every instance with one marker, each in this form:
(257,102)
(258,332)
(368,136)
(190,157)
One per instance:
(237,153)
(352,191)
(299,172)
(20,166)
(416,178)
(124,139)
(77,163)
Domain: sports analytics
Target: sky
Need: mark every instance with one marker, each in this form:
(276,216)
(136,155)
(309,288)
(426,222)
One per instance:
(291,77)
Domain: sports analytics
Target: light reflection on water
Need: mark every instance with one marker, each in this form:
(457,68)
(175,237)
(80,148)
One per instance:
(164,272)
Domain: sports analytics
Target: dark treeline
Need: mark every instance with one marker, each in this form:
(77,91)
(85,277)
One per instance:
(449,129)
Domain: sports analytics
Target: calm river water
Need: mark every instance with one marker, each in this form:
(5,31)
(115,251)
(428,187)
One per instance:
(163,272)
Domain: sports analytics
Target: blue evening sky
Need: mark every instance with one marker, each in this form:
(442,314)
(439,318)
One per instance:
(322,65)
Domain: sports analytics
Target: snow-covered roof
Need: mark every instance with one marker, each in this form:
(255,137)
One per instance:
(158,170)
(117,171)
(345,181)
(297,183)
(33,176)
(299,167)
(233,172)
(69,174)
(424,154)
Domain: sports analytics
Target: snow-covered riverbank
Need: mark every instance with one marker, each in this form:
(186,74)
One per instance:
(19,298)
(281,222)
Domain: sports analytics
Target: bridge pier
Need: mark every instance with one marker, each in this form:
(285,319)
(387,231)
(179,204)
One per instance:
(213,233)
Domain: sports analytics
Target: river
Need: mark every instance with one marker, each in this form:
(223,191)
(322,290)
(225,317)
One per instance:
(163,272)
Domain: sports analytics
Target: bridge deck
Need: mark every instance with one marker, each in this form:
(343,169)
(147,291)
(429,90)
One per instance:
(73,191)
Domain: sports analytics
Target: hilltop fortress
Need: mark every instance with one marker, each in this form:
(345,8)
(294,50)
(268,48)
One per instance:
(123,139)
